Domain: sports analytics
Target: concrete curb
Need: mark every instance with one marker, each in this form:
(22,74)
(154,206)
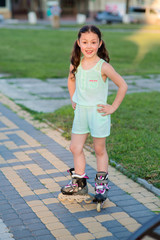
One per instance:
(141,181)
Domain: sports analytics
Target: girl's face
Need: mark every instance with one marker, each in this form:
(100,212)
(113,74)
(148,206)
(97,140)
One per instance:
(89,44)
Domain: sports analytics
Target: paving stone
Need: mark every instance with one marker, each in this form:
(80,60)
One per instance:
(142,214)
(28,238)
(122,235)
(10,216)
(13,222)
(22,234)
(31,198)
(16,139)
(134,208)
(36,226)
(5,153)
(47,237)
(41,233)
(76,230)
(108,238)
(126,203)
(111,224)
(5,207)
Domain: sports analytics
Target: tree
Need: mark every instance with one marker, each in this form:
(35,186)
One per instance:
(127,6)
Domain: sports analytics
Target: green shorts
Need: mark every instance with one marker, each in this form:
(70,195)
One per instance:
(89,120)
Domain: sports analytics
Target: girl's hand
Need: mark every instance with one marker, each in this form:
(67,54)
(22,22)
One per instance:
(105,109)
(73,105)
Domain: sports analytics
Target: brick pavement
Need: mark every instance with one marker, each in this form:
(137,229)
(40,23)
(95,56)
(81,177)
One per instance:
(33,163)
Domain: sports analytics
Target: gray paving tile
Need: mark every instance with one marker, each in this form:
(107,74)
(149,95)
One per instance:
(5,153)
(30,221)
(122,235)
(31,198)
(41,233)
(22,234)
(111,224)
(77,230)
(13,222)
(108,238)
(36,226)
(45,196)
(126,202)
(16,139)
(26,216)
(2,125)
(28,238)
(134,208)
(142,214)
(10,216)
(47,237)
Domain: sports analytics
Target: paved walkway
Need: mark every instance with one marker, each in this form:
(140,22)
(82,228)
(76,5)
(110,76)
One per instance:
(33,166)
(49,95)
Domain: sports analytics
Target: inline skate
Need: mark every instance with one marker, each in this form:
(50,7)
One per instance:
(76,189)
(101,189)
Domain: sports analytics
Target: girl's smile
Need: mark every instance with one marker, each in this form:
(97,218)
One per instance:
(89,44)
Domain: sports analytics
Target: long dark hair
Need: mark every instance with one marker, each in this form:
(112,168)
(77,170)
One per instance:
(76,52)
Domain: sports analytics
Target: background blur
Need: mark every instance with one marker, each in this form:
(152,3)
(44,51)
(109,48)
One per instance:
(147,11)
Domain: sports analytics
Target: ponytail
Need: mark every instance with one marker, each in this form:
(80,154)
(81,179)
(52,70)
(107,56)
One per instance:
(75,57)
(103,53)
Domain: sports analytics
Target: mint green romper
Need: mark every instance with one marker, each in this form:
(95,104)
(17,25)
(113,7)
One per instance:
(90,91)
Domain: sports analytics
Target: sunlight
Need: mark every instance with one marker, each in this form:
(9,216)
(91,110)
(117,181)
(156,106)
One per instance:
(146,38)
(149,35)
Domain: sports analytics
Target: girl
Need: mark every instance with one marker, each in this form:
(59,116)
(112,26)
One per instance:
(88,89)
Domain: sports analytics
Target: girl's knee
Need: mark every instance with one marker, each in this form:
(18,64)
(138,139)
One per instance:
(100,151)
(75,149)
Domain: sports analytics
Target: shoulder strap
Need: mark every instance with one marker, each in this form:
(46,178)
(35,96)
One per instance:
(99,65)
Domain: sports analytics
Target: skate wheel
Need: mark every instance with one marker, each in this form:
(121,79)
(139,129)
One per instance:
(88,200)
(61,197)
(98,207)
(71,200)
(79,200)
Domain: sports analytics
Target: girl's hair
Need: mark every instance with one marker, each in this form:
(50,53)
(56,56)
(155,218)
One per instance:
(76,53)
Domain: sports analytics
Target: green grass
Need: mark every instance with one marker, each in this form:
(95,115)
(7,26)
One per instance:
(46,53)
(134,139)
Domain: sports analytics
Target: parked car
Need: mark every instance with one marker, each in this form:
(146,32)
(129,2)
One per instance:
(144,15)
(108,17)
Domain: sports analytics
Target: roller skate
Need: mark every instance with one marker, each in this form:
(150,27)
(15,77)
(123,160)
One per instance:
(101,189)
(76,189)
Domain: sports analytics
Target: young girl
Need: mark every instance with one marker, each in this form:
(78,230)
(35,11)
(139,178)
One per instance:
(88,89)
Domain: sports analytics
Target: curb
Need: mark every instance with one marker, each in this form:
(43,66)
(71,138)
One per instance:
(141,181)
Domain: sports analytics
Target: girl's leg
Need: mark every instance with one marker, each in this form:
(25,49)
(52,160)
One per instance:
(76,147)
(101,154)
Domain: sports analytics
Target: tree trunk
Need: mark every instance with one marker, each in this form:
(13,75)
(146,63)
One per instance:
(127,6)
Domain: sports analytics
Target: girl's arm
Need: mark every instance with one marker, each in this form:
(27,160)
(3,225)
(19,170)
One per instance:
(71,85)
(108,71)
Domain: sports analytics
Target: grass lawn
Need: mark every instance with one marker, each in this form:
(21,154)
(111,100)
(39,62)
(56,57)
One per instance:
(134,139)
(46,53)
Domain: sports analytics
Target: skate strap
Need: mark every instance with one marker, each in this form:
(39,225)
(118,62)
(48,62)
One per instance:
(71,170)
(101,187)
(80,176)
(71,185)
